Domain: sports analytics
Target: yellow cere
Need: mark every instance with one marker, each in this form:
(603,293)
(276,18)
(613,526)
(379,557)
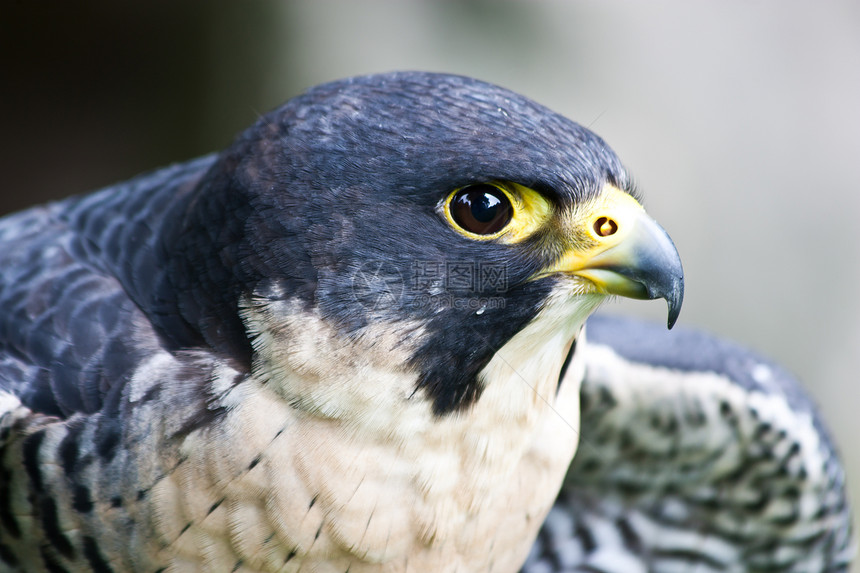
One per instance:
(612,205)
(531,211)
(594,227)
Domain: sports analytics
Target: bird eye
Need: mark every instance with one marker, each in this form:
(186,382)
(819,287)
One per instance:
(481,209)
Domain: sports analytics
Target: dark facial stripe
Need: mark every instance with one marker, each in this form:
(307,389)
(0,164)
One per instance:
(460,343)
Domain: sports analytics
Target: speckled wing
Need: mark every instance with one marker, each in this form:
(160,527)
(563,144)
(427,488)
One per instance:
(74,277)
(695,455)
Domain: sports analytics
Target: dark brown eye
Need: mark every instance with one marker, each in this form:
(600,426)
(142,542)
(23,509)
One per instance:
(481,209)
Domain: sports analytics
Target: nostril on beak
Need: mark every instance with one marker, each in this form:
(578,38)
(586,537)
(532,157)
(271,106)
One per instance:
(604,226)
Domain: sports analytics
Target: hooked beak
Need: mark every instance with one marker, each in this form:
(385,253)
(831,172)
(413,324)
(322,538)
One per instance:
(622,251)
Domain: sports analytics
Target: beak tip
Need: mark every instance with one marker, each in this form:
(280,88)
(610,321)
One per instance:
(673,317)
(674,300)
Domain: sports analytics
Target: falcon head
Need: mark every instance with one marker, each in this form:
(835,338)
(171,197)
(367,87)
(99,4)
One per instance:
(432,217)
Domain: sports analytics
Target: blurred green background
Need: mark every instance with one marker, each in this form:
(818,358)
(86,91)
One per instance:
(740,120)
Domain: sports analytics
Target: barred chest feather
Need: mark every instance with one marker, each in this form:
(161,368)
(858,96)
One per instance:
(320,461)
(327,460)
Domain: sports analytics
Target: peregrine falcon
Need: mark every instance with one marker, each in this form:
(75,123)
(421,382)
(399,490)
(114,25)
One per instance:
(354,341)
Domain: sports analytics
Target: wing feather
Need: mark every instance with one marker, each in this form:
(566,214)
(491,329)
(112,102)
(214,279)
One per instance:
(695,455)
(77,284)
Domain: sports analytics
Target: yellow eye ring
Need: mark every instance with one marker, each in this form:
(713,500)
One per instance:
(500,210)
(481,211)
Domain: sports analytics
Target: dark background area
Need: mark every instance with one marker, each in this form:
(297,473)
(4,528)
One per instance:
(96,93)
(740,120)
